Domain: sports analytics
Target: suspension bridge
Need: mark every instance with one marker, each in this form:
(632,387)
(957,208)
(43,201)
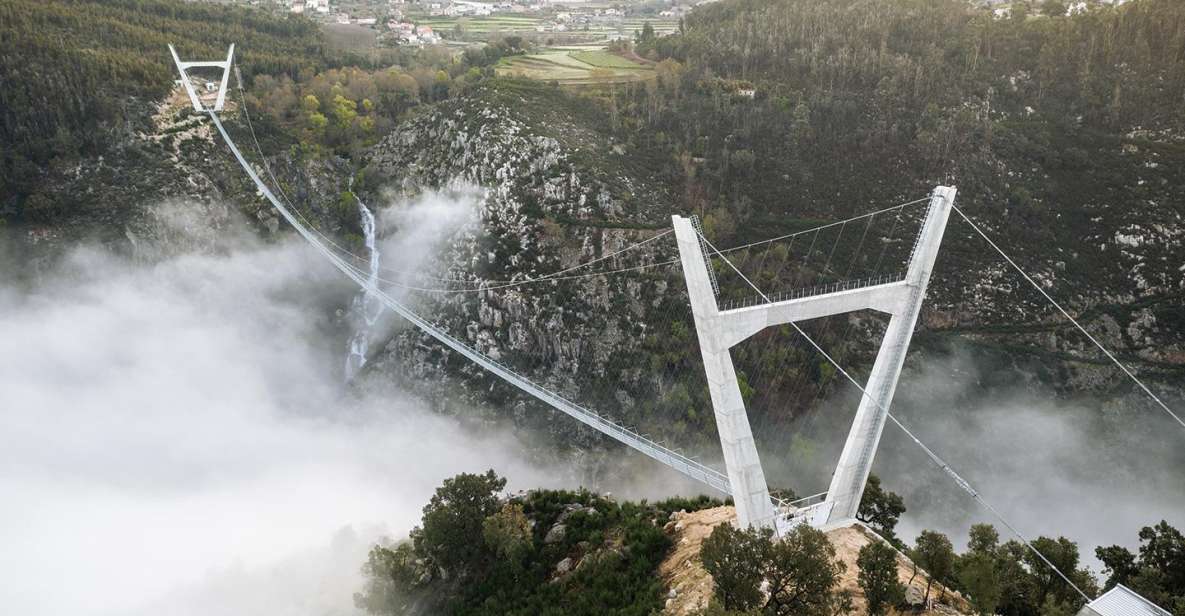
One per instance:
(721,323)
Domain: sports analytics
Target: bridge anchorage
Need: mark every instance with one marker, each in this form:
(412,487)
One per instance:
(720,330)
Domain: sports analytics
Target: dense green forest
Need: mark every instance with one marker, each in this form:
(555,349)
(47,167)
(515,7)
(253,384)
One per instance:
(918,83)
(78,75)
(771,107)
(82,76)
(770,115)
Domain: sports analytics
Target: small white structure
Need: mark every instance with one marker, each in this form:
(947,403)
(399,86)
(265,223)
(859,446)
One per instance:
(1122,601)
(720,330)
(187,81)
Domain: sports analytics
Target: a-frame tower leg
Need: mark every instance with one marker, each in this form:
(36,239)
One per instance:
(719,331)
(855,462)
(750,493)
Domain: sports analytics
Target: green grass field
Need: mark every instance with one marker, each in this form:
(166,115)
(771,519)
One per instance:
(603,59)
(579,67)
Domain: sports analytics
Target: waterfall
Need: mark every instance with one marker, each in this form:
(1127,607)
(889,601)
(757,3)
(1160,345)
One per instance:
(364,310)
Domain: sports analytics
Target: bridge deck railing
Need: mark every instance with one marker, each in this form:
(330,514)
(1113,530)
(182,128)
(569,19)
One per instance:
(823,289)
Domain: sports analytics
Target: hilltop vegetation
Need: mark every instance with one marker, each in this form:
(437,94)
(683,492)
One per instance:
(481,551)
(542,552)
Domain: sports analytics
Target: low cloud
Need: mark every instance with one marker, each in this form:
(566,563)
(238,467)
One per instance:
(1093,470)
(176,437)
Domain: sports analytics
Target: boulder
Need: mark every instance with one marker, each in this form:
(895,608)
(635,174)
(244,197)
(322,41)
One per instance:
(556,534)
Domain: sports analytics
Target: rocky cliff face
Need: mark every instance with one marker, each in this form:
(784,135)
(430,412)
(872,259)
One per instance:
(558,193)
(543,210)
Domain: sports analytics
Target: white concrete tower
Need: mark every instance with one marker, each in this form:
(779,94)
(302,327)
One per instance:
(719,331)
(750,493)
(855,462)
(194,97)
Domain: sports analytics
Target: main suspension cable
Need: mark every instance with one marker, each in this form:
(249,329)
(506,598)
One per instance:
(1066,314)
(962,483)
(821,227)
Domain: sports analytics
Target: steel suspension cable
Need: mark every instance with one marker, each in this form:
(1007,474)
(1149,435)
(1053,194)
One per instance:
(946,468)
(1066,314)
(671,458)
(821,227)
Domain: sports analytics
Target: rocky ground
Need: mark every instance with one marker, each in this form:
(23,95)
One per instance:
(690,586)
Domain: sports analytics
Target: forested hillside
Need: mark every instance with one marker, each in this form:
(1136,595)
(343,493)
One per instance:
(81,76)
(1065,134)
(1050,122)
(774,115)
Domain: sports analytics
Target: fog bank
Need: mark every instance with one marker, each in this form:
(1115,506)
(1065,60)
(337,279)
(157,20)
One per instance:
(1095,471)
(174,438)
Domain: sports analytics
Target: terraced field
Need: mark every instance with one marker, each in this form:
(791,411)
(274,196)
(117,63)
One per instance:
(576,67)
(522,24)
(481,25)
(603,59)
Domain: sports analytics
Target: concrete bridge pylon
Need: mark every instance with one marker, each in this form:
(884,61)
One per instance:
(720,330)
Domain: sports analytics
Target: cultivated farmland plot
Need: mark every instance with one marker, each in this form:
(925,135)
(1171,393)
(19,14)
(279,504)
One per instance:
(575,67)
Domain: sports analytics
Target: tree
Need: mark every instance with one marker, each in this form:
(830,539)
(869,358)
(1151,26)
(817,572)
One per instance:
(1158,572)
(1053,8)
(933,553)
(1118,563)
(802,572)
(979,570)
(981,579)
(317,122)
(735,559)
(310,104)
(1063,554)
(1018,588)
(39,208)
(878,577)
(344,111)
(508,533)
(880,508)
(646,36)
(390,576)
(454,517)
(1162,547)
(984,539)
